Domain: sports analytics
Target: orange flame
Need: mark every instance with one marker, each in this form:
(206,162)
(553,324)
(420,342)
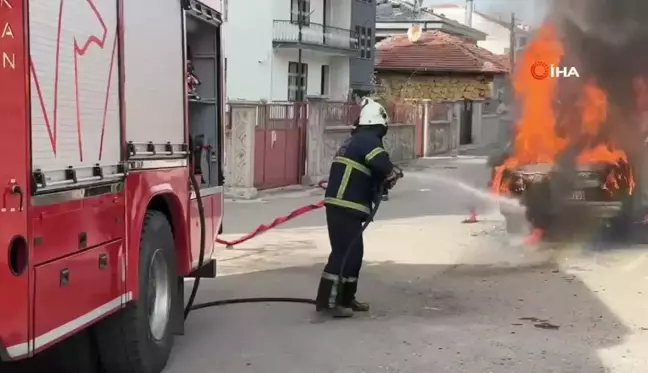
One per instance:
(537,139)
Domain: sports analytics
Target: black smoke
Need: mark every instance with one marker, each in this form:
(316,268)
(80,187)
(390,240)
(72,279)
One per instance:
(608,41)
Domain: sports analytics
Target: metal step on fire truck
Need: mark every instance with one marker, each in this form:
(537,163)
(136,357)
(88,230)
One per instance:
(111,176)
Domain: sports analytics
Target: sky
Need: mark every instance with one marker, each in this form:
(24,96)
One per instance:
(530,11)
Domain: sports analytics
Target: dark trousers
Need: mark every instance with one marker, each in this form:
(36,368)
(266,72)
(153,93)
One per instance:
(344,228)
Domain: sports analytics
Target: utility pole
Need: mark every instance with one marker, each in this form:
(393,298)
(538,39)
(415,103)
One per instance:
(418,4)
(512,44)
(470,5)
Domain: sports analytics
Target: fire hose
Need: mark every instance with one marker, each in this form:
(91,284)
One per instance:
(190,306)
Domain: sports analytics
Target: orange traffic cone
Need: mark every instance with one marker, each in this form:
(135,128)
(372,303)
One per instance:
(472,218)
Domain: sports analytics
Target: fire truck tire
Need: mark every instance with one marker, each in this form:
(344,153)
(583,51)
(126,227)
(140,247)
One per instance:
(135,340)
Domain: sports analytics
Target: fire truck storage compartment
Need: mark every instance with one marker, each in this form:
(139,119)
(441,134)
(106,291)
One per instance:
(154,77)
(60,229)
(75,103)
(203,53)
(77,290)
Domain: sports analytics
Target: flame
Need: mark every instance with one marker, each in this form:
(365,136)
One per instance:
(538,139)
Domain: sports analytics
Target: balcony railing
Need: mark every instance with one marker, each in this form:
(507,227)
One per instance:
(314,34)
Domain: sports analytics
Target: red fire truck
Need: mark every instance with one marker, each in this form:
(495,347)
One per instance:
(104,147)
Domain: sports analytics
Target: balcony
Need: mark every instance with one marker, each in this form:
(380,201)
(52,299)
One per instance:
(315,36)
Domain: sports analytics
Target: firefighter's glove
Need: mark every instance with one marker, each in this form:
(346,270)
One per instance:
(393,177)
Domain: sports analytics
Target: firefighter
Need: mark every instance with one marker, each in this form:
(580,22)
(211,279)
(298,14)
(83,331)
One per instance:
(385,193)
(359,168)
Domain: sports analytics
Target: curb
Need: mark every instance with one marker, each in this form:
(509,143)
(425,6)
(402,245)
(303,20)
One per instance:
(288,192)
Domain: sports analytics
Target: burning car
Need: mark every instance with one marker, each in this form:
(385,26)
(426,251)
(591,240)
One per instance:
(567,162)
(554,199)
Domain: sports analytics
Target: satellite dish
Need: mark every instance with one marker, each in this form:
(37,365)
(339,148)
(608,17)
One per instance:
(414,33)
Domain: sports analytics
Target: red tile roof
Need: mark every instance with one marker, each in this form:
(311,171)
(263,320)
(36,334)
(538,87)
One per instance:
(504,60)
(436,51)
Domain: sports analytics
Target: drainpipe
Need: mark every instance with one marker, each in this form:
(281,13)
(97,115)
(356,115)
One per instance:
(300,71)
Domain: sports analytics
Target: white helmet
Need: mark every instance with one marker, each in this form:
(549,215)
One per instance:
(372,113)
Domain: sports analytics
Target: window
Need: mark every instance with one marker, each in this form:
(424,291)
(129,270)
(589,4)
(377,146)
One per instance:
(296,83)
(365,41)
(324,89)
(300,11)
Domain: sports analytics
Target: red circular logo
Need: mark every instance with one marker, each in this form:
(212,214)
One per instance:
(540,70)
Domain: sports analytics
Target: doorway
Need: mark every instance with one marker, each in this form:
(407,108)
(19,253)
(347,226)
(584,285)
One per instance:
(466,132)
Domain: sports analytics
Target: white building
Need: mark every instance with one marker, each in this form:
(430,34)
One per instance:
(262,42)
(498,34)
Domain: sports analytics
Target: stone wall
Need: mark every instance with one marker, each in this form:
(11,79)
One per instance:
(333,138)
(436,88)
(440,139)
(324,140)
(492,129)
(239,151)
(324,135)
(441,121)
(442,132)
(497,129)
(399,142)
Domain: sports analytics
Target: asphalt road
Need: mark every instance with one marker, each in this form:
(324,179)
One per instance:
(446,296)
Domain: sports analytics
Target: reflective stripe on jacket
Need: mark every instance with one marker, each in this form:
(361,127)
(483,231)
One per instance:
(359,166)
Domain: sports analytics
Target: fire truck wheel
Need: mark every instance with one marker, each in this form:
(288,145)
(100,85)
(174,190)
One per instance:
(139,338)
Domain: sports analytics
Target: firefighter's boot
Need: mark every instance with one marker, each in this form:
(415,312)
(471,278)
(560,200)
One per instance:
(327,299)
(359,306)
(349,297)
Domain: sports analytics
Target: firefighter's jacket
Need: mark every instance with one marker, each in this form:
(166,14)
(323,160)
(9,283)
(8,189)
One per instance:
(359,167)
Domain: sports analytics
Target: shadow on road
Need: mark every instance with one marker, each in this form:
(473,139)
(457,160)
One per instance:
(425,318)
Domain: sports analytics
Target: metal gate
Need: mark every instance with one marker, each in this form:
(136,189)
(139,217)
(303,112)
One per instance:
(279,153)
